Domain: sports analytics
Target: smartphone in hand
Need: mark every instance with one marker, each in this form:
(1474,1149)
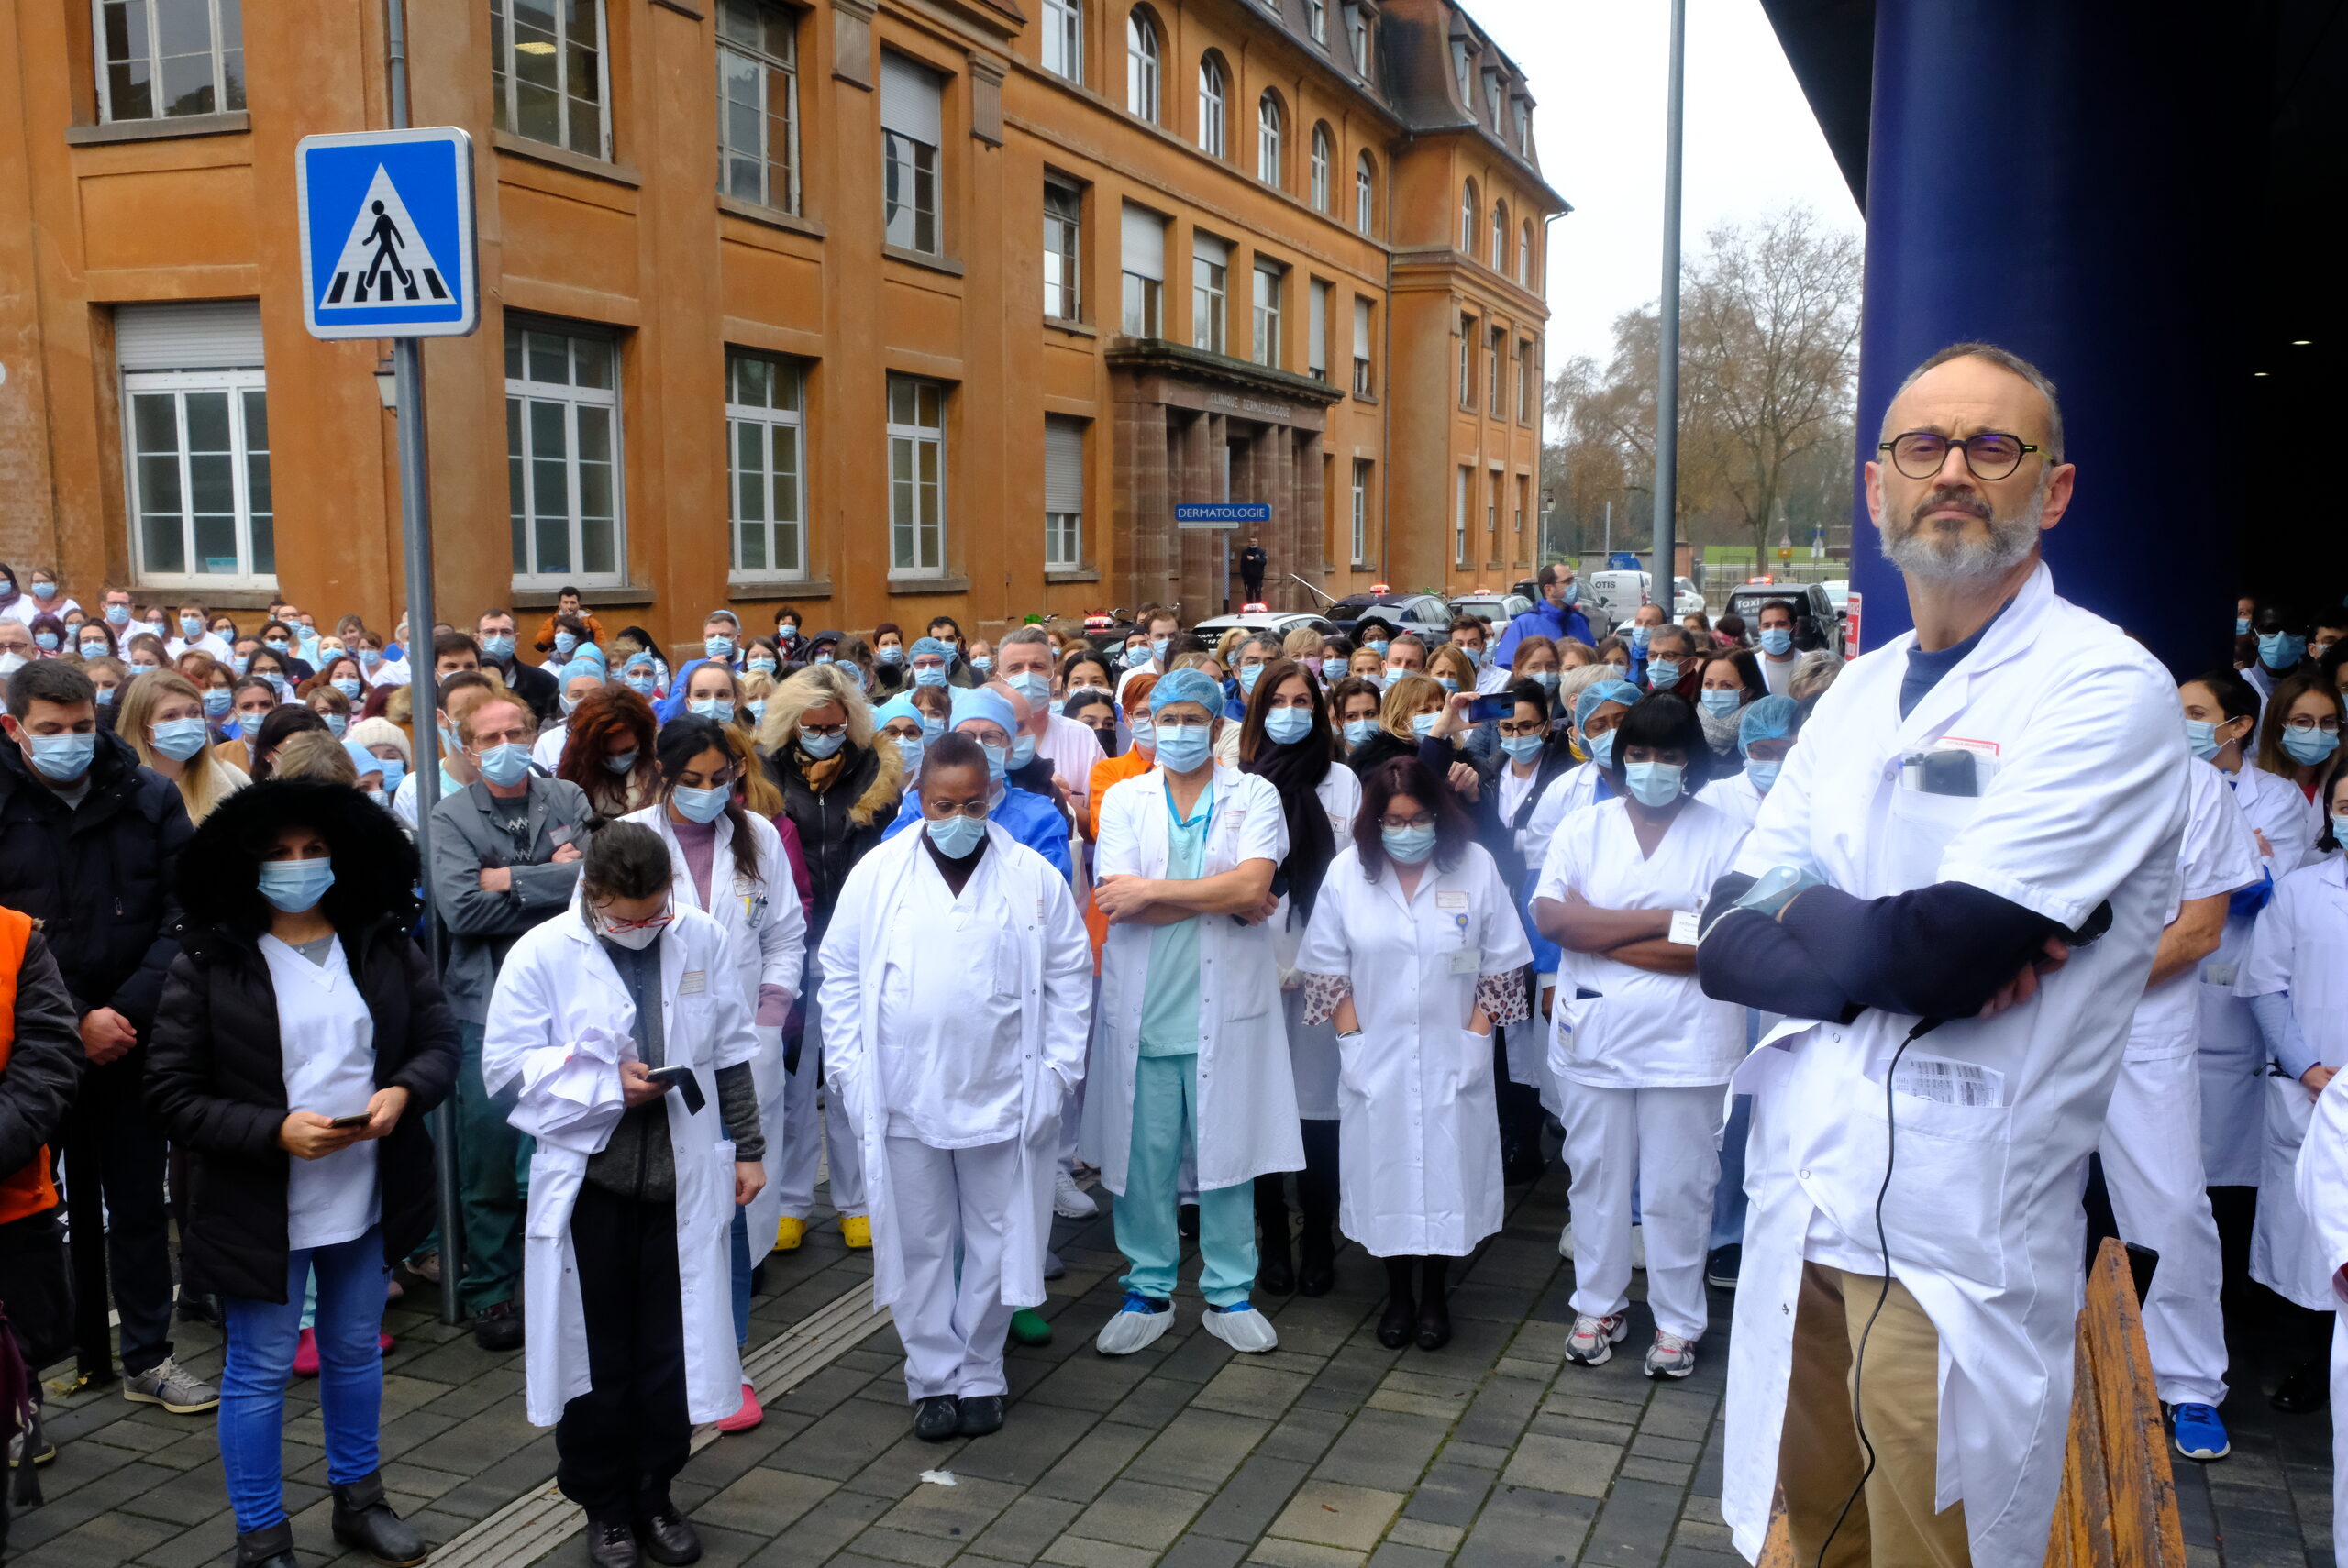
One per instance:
(682,1080)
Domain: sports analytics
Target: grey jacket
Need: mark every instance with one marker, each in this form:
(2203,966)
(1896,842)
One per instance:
(469,836)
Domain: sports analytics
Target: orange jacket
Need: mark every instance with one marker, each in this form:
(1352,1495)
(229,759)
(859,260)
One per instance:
(30,1190)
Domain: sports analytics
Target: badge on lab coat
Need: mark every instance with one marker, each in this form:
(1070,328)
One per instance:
(1464,960)
(1946,1081)
(1683,927)
(694,983)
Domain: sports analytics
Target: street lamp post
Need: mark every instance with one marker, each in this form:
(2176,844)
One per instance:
(1667,381)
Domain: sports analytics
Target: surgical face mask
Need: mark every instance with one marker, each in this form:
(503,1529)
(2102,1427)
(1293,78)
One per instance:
(641,681)
(180,739)
(564,642)
(1521,748)
(2310,747)
(1475,655)
(622,762)
(570,703)
(761,665)
(635,938)
(499,645)
(336,724)
(1777,641)
(1720,703)
(931,728)
(1137,655)
(2242,625)
(1143,732)
(1663,673)
(191,625)
(1157,647)
(44,590)
(216,701)
(890,655)
(998,761)
(700,805)
(1181,747)
(508,764)
(93,650)
(929,675)
(2317,650)
(910,749)
(1763,774)
(105,699)
(117,615)
(1248,675)
(1022,751)
(1333,670)
(1087,689)
(718,647)
(1358,731)
(1286,726)
(1423,724)
(1408,845)
(821,746)
(2281,650)
(1028,684)
(1653,783)
(349,686)
(394,771)
(1639,636)
(244,664)
(2202,734)
(1377,646)
(1573,594)
(368,658)
(983,664)
(956,836)
(1547,678)
(63,758)
(45,641)
(292,886)
(757,707)
(1601,748)
(279,646)
(1450,685)
(2340,828)
(718,707)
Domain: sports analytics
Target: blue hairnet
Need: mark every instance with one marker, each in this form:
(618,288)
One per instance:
(931,645)
(590,652)
(978,702)
(1187,686)
(577,667)
(1598,693)
(1769,718)
(363,760)
(901,706)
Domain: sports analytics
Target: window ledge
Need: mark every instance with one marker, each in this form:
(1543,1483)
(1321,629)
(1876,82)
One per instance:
(563,158)
(743,590)
(922,259)
(929,584)
(1073,574)
(591,598)
(1365,397)
(1073,328)
(680,7)
(165,130)
(772,217)
(210,598)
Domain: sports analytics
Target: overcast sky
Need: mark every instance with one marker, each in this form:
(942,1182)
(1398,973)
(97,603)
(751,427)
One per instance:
(1597,70)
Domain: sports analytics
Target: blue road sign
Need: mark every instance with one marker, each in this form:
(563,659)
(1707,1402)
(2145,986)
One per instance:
(387,234)
(1221,514)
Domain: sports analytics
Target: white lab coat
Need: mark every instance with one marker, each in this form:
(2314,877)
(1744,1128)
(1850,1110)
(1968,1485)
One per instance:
(1733,797)
(1420,1155)
(1041,953)
(1313,1047)
(2232,1056)
(768,932)
(2082,804)
(559,1022)
(2321,1184)
(1247,1108)
(547,750)
(2301,946)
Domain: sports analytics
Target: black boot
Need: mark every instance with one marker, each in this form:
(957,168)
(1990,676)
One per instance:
(363,1519)
(1274,1276)
(611,1542)
(1435,1310)
(1394,1324)
(1316,1196)
(271,1548)
(667,1536)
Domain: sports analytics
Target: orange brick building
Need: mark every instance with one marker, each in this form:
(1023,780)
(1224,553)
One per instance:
(880,308)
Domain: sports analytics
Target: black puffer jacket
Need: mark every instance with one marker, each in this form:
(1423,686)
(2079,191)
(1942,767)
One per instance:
(215,1076)
(97,876)
(838,826)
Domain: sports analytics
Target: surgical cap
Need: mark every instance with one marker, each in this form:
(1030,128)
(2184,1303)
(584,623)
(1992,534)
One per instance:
(1187,686)
(1769,718)
(576,668)
(590,653)
(1598,693)
(931,645)
(978,702)
(901,706)
(361,758)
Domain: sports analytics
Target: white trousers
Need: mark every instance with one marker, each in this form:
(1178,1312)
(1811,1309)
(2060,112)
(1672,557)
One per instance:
(805,1134)
(2152,1167)
(1667,1142)
(953,1208)
(2340,1438)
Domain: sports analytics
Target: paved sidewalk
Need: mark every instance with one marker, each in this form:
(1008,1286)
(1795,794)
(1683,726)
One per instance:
(1330,1452)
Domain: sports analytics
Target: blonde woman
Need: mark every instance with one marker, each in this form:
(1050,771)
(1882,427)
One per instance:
(315,754)
(1413,705)
(162,718)
(1303,645)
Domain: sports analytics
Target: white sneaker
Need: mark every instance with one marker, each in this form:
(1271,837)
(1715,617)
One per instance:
(1137,1323)
(1070,1201)
(1639,1247)
(1593,1340)
(1565,1241)
(1670,1357)
(1242,1328)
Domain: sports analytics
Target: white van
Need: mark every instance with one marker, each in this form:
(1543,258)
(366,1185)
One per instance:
(1619,593)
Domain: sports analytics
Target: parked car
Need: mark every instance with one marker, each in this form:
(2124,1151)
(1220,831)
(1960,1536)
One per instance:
(1279,622)
(1816,624)
(1499,608)
(1428,614)
(1685,600)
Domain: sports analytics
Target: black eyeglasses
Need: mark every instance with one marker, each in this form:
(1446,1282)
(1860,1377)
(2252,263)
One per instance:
(1990,455)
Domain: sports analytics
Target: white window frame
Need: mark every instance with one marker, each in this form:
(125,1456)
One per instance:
(1270,135)
(505,80)
(1063,251)
(1063,531)
(1316,19)
(227,85)
(1365,196)
(571,399)
(1144,59)
(1523,126)
(1267,308)
(1064,39)
(1459,518)
(1524,253)
(1365,370)
(1209,300)
(1470,210)
(1492,514)
(771,425)
(1215,95)
(1322,153)
(926,537)
(1459,70)
(1467,329)
(1496,372)
(1361,510)
(1499,238)
(1357,39)
(177,384)
(769,66)
(1142,301)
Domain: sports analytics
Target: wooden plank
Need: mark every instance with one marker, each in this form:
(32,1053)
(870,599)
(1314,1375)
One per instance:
(1778,1546)
(2118,1500)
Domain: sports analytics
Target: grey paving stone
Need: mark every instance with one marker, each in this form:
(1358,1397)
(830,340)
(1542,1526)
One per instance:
(957,1513)
(1200,1449)
(1520,1528)
(1092,1382)
(1383,1449)
(104,1541)
(1093,1463)
(1032,1440)
(1351,1518)
(899,1546)
(1020,1531)
(1394,1554)
(1246,1390)
(1139,1513)
(1634,1526)
(1250,1500)
(821,1530)
(1303,1434)
(1667,1471)
(765,1501)
(1195,1550)
(1155,1400)
(847,1439)
(1561,1465)
(1498,1415)
(1449,1494)
(1651,1446)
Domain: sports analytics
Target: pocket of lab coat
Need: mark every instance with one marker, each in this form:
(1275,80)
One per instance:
(1923,825)
(1947,1199)
(1474,1061)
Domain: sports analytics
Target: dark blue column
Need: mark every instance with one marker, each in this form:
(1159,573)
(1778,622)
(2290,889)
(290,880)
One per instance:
(2071,182)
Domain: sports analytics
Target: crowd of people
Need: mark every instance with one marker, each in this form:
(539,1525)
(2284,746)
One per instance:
(1293,940)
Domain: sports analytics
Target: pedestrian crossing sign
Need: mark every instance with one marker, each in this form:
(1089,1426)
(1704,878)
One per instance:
(387,234)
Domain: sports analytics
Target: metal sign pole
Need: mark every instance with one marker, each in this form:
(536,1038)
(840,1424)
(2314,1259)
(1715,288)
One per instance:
(1667,381)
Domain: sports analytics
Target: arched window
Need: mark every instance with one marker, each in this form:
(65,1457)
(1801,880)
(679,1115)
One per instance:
(1268,140)
(1321,169)
(1499,238)
(1524,254)
(1467,217)
(1211,98)
(1365,195)
(1141,67)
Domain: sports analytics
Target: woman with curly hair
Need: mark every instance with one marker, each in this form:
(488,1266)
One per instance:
(610,752)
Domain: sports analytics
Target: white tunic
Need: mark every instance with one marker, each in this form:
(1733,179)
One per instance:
(547,750)
(326,1037)
(1420,1152)
(949,1040)
(2321,1184)
(2232,1057)
(1569,792)
(1733,797)
(2216,855)
(2301,946)
(1642,1030)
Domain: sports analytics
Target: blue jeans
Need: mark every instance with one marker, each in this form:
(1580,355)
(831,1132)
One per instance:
(261,1338)
(1165,1123)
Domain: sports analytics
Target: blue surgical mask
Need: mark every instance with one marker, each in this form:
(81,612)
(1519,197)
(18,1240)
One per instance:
(761,665)
(336,723)
(1663,673)
(1601,749)
(1333,670)
(1410,845)
(1286,726)
(1028,684)
(349,686)
(2340,829)
(1142,731)
(191,626)
(292,886)
(505,765)
(45,641)
(2202,734)
(956,836)
(244,663)
(2307,746)
(1137,655)
(117,615)
(641,682)
(1777,641)
(180,739)
(369,657)
(44,590)
(1377,646)
(564,642)
(1450,685)
(1475,655)
(1423,724)
(757,707)
(983,663)
(821,746)
(1639,636)
(1547,678)
(1157,647)
(500,645)
(1573,594)
(1521,748)
(395,770)
(2281,650)
(105,699)
(2242,625)
(1248,675)
(931,728)
(890,655)
(279,646)
(719,648)
(703,806)
(911,747)
(622,764)
(1653,783)
(1721,703)
(1358,731)
(63,759)
(1182,747)
(1763,774)
(216,701)
(1022,751)
(998,761)
(929,675)
(718,707)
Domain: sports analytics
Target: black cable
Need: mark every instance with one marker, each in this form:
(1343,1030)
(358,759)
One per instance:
(1883,1245)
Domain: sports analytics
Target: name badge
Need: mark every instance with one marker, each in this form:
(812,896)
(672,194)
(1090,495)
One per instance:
(2214,974)
(1464,960)
(695,983)
(1683,927)
(1451,900)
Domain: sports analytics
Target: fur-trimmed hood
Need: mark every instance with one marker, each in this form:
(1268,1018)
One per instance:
(376,865)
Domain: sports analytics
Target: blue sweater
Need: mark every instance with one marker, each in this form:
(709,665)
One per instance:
(1025,816)
(1543,620)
